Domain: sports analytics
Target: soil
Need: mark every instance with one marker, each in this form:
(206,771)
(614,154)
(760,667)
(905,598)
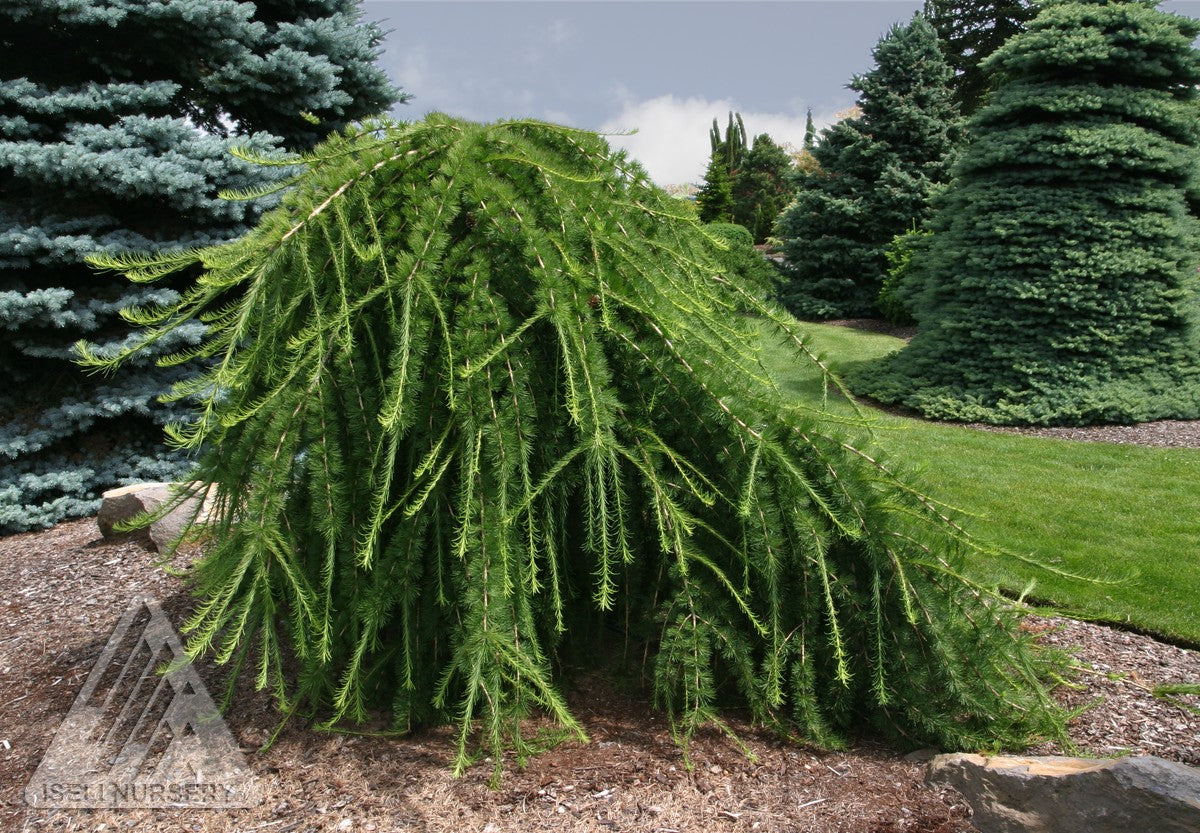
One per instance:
(64,589)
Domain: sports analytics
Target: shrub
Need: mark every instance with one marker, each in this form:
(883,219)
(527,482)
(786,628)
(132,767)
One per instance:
(486,401)
(896,293)
(739,258)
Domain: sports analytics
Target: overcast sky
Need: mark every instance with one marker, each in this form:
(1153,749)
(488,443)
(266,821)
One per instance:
(664,68)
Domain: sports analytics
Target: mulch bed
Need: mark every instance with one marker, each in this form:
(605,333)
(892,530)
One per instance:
(64,589)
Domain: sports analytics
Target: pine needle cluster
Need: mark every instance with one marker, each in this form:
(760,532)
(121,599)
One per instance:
(481,399)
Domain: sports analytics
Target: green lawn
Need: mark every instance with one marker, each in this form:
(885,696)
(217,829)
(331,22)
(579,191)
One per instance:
(1092,508)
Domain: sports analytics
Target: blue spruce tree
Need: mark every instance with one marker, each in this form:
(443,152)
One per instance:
(117,121)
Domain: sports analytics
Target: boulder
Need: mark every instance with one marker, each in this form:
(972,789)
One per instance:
(1068,795)
(127,502)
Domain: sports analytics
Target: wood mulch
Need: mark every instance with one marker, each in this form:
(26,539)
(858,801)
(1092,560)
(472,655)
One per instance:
(63,590)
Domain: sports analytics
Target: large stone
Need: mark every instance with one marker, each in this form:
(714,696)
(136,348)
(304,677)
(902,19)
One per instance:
(127,502)
(1071,795)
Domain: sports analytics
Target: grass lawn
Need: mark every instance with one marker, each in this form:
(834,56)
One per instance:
(1100,509)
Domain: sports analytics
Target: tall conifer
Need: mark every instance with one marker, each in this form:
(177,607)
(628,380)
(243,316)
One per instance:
(874,178)
(733,145)
(714,200)
(117,118)
(1060,286)
(970,31)
(760,187)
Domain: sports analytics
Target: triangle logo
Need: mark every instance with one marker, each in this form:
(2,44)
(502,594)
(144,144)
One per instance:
(138,737)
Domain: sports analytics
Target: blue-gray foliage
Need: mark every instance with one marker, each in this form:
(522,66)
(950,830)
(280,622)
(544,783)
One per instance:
(117,122)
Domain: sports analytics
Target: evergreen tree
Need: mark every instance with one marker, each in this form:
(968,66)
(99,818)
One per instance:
(761,187)
(743,184)
(1060,285)
(714,200)
(486,396)
(732,148)
(117,118)
(876,173)
(970,31)
(810,132)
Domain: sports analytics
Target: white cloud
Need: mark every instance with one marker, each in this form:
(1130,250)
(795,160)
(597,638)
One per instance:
(545,42)
(414,69)
(672,133)
(560,34)
(417,73)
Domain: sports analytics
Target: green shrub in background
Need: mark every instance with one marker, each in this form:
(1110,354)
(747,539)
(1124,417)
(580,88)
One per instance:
(745,183)
(895,294)
(486,401)
(761,187)
(1061,284)
(741,260)
(714,200)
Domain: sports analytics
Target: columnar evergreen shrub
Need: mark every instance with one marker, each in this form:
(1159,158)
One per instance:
(731,147)
(714,200)
(874,178)
(486,400)
(1061,285)
(116,122)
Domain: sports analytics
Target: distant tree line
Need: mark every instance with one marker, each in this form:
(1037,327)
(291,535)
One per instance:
(1021,183)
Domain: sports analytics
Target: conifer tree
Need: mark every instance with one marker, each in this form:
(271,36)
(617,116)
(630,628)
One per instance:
(970,31)
(714,200)
(874,178)
(810,132)
(732,147)
(484,398)
(760,187)
(117,119)
(1060,285)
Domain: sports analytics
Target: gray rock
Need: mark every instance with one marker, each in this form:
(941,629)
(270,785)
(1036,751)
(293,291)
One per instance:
(127,502)
(1070,795)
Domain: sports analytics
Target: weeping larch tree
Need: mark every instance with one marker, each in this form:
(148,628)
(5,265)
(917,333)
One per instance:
(484,400)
